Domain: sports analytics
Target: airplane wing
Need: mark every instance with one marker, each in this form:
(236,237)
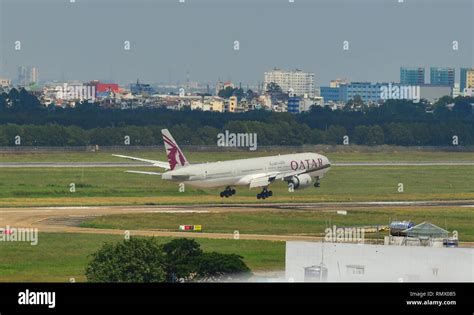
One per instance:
(262,180)
(284,176)
(174,177)
(266,179)
(161,164)
(142,172)
(259,182)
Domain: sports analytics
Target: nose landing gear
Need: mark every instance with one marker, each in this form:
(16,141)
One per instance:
(228,192)
(317,184)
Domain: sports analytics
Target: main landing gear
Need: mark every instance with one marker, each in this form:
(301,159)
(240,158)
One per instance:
(228,192)
(265,194)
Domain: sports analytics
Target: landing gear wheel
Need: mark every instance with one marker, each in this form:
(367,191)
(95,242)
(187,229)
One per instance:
(317,184)
(265,194)
(228,192)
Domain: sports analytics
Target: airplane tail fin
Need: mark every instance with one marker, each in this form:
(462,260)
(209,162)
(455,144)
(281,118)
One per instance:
(176,158)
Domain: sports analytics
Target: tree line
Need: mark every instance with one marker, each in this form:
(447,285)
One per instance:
(405,134)
(396,122)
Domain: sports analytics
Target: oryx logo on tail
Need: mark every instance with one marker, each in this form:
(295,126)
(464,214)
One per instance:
(175,156)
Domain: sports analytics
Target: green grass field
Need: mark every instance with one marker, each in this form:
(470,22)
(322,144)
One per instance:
(58,257)
(108,186)
(292,222)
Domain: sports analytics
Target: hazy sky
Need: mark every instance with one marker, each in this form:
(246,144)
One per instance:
(85,40)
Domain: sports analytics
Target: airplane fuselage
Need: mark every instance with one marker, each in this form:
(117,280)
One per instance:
(242,172)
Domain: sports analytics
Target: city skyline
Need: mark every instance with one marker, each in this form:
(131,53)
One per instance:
(62,45)
(409,76)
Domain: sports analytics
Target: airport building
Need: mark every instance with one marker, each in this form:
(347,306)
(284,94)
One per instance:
(141,89)
(456,90)
(468,92)
(330,94)
(4,83)
(337,83)
(412,75)
(223,85)
(22,78)
(206,103)
(423,234)
(469,79)
(368,92)
(335,262)
(293,105)
(300,82)
(231,104)
(463,78)
(34,76)
(372,92)
(442,76)
(307,103)
(27,76)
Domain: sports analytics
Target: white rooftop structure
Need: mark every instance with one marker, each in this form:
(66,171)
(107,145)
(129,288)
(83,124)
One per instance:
(344,262)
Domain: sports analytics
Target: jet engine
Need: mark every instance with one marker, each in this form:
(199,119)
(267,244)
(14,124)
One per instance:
(300,181)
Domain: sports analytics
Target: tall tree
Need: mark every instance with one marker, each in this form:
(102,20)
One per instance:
(133,260)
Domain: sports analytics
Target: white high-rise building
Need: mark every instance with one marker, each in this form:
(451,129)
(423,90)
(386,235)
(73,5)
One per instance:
(456,91)
(22,75)
(27,75)
(300,82)
(34,75)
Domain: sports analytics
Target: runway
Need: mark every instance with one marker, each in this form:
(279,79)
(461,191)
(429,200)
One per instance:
(67,219)
(131,164)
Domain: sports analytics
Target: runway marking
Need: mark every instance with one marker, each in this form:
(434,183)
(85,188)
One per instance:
(178,211)
(21,211)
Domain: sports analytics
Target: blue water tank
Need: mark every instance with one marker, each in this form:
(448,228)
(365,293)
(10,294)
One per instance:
(397,227)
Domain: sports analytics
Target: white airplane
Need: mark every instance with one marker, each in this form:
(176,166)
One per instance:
(298,170)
